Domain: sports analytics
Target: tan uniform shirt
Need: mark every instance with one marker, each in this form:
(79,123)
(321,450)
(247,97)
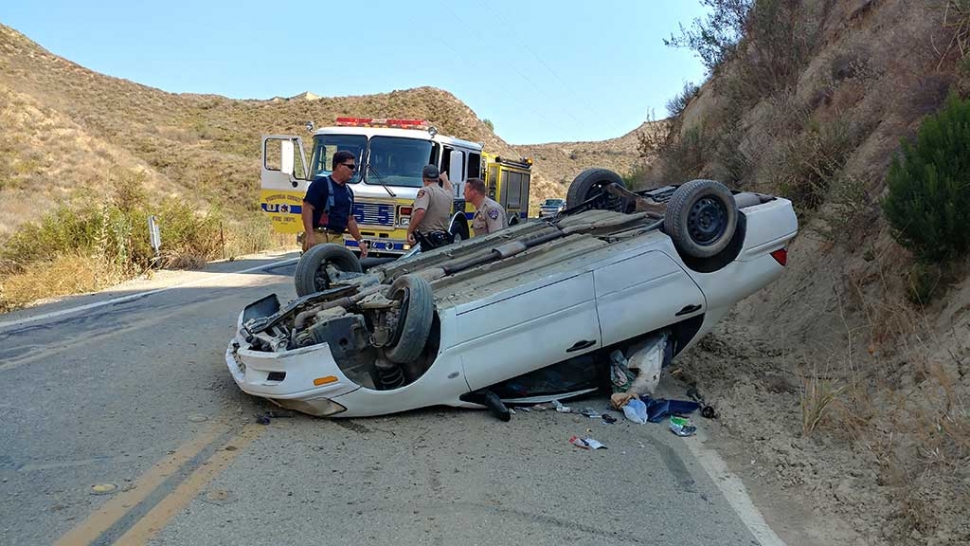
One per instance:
(489,218)
(437,204)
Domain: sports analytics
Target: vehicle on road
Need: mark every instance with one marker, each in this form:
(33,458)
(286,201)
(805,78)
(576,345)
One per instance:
(448,326)
(551,207)
(390,154)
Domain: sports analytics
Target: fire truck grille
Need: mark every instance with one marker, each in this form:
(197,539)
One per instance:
(374,214)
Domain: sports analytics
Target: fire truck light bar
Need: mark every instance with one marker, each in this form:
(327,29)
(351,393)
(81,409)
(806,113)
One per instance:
(382,122)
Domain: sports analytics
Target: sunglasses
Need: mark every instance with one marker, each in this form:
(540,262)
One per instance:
(350,166)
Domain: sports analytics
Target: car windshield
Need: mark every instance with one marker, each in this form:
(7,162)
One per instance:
(324,146)
(553,202)
(397,161)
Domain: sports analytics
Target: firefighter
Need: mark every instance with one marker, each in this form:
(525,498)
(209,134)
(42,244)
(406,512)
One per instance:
(328,206)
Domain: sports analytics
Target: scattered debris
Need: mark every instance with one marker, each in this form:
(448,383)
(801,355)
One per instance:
(658,409)
(196,418)
(620,374)
(264,418)
(636,411)
(586,443)
(648,359)
(103,489)
(217,496)
(707,411)
(681,426)
(561,408)
(619,399)
(608,419)
(590,412)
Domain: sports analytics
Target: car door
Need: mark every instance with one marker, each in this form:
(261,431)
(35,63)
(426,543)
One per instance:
(643,293)
(528,330)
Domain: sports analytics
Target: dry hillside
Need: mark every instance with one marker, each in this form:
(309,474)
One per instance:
(847,381)
(66,127)
(557,163)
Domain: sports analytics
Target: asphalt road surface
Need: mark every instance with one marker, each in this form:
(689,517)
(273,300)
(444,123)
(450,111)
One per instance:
(121,424)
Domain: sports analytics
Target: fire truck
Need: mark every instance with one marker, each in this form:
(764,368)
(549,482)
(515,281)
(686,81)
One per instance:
(391,154)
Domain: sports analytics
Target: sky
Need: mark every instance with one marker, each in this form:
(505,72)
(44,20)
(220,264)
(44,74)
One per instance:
(540,70)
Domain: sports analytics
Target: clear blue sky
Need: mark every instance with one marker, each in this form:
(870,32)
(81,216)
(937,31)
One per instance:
(542,70)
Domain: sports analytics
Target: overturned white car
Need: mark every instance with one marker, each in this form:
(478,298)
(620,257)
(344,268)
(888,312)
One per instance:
(447,326)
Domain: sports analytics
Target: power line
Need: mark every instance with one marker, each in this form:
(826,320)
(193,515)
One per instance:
(565,85)
(513,66)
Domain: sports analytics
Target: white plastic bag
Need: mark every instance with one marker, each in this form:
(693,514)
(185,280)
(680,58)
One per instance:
(636,411)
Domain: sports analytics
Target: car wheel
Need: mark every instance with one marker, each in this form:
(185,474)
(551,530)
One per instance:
(589,184)
(701,218)
(513,221)
(311,271)
(414,320)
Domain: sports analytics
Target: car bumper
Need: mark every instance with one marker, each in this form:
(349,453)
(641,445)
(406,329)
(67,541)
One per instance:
(306,379)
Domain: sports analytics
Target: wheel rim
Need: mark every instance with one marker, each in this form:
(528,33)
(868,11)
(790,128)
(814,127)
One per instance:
(707,221)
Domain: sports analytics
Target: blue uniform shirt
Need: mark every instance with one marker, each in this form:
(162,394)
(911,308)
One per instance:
(343,203)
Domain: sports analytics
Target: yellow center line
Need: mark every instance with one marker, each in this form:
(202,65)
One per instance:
(116,508)
(168,507)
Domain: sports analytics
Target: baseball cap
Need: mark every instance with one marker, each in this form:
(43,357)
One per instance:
(430,172)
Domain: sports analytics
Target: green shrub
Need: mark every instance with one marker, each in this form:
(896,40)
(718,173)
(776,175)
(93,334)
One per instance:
(928,204)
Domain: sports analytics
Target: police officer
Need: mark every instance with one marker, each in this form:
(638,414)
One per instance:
(431,212)
(328,206)
(490,216)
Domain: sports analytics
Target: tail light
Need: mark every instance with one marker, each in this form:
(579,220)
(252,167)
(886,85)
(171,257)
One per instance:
(781,256)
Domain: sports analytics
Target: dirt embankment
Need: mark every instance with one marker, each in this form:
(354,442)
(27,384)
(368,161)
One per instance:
(849,396)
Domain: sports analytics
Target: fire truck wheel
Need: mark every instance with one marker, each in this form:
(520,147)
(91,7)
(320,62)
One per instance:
(311,271)
(701,218)
(459,232)
(589,184)
(414,319)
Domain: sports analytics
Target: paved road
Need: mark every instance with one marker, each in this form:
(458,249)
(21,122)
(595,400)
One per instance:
(136,394)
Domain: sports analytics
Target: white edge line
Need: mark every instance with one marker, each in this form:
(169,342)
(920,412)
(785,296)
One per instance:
(734,491)
(130,297)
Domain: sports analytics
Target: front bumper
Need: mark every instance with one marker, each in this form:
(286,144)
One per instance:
(305,379)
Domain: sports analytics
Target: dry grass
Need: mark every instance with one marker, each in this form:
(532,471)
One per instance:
(68,274)
(818,395)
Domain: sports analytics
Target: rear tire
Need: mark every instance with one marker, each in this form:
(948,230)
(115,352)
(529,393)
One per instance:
(417,314)
(591,182)
(311,271)
(701,218)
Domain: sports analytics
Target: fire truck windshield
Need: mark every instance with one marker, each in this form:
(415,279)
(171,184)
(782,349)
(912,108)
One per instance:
(397,161)
(324,146)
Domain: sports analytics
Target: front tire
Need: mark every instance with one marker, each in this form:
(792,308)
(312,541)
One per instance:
(311,271)
(414,323)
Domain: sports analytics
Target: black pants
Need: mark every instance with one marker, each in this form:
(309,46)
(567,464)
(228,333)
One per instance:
(432,240)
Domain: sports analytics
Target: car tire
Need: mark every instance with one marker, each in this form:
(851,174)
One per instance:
(311,270)
(701,218)
(513,221)
(417,314)
(589,183)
